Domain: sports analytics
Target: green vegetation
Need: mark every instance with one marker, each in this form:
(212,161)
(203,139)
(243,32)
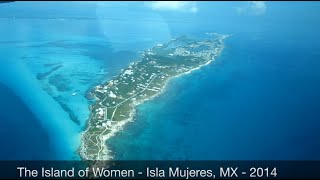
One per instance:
(142,80)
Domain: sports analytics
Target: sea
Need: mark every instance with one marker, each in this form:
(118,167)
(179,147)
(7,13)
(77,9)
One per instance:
(259,100)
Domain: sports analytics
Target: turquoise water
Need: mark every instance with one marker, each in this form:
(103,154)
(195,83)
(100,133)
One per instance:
(248,104)
(51,64)
(258,100)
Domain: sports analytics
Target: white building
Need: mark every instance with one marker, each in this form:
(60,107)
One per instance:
(112,95)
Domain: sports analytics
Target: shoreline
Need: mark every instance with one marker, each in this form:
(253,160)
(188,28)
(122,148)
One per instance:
(105,152)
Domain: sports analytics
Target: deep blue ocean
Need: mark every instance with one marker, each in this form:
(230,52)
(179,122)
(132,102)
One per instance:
(259,100)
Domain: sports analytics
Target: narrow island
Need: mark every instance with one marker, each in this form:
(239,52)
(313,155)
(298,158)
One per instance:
(140,81)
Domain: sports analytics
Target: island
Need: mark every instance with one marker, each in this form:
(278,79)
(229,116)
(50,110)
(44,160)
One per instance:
(116,100)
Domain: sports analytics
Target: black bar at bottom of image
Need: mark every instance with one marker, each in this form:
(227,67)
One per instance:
(160,169)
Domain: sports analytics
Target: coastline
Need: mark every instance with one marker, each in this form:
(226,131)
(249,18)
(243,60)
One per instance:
(105,153)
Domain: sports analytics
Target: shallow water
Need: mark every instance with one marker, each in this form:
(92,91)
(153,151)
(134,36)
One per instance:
(258,100)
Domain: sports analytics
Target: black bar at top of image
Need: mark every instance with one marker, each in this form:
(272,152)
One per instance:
(181,169)
(6,1)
